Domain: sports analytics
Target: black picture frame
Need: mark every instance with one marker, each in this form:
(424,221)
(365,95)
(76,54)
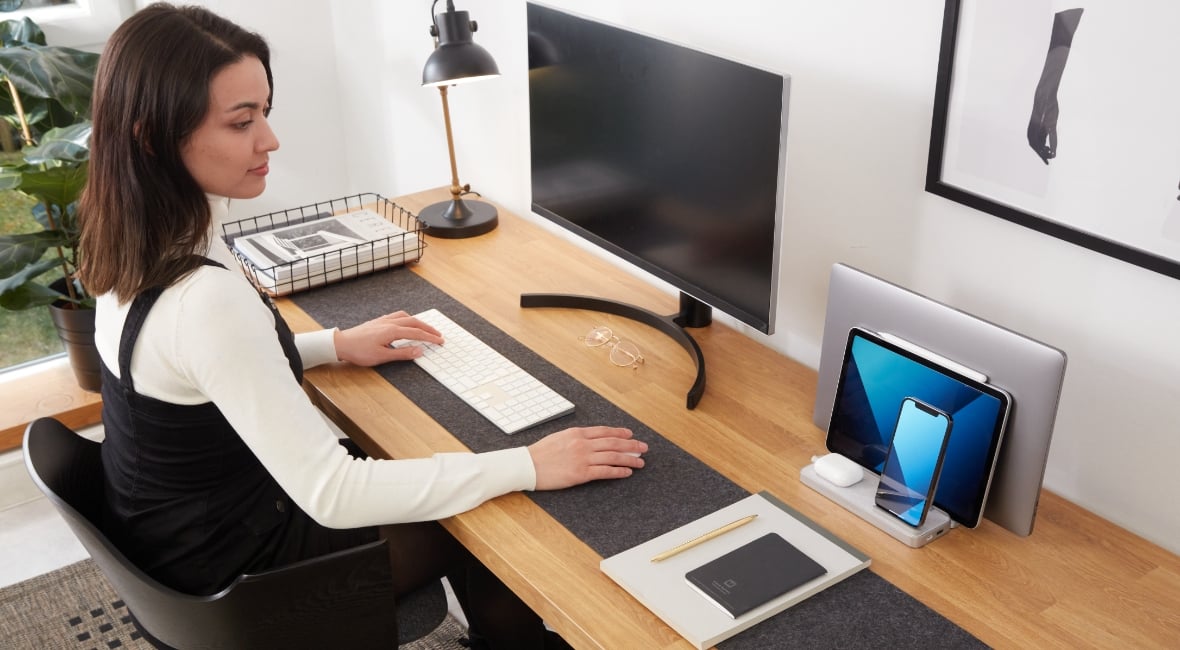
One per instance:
(1144,247)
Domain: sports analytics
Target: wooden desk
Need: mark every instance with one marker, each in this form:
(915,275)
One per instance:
(1078,581)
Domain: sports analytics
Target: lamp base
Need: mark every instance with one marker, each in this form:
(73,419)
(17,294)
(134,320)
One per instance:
(456,219)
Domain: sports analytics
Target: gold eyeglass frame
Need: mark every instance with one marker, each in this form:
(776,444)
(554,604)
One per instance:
(624,354)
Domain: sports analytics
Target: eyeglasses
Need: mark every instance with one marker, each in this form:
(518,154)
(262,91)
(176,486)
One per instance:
(622,353)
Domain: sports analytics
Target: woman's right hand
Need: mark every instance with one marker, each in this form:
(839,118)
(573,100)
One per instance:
(367,344)
(581,454)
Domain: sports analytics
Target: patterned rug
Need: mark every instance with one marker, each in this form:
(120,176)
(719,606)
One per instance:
(75,608)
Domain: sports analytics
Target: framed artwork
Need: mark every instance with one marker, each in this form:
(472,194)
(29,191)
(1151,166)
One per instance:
(1064,117)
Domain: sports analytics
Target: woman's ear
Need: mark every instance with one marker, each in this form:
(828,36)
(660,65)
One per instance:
(141,137)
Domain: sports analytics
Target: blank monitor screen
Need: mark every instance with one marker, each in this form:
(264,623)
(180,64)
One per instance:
(669,157)
(1028,370)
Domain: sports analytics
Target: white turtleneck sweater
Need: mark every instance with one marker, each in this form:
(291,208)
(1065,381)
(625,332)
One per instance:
(210,339)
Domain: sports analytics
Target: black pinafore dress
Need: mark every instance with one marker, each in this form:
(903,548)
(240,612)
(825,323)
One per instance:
(185,499)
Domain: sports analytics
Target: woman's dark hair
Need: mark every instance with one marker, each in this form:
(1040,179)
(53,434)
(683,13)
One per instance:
(144,219)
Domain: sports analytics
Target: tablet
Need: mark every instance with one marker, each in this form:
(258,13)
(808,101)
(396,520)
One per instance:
(876,375)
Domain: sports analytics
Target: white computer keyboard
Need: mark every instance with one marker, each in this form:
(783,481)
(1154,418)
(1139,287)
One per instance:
(497,388)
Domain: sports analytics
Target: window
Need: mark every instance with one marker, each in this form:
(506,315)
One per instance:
(28,336)
(83,24)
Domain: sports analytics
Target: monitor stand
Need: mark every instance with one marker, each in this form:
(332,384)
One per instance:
(693,313)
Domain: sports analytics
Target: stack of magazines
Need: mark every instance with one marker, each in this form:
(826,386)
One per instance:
(327,248)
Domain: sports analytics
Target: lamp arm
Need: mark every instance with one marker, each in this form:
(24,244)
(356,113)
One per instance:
(456,189)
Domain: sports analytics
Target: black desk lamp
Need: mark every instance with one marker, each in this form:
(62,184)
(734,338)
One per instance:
(456,59)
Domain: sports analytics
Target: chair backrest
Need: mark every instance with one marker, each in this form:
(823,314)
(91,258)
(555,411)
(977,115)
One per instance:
(342,600)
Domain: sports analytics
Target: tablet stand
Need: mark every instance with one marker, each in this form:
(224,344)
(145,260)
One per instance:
(860,499)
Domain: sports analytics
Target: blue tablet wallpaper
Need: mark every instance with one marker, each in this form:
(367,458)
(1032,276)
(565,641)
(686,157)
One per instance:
(876,377)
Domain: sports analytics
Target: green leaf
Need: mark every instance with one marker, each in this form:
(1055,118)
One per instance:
(71,144)
(58,186)
(36,108)
(64,224)
(60,73)
(53,115)
(18,252)
(16,32)
(27,296)
(27,274)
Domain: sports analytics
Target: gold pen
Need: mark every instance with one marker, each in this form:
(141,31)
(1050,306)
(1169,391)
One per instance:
(704,538)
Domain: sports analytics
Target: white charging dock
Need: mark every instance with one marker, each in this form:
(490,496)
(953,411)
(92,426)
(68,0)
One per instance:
(860,499)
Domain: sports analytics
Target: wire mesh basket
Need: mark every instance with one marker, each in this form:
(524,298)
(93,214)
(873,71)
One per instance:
(312,245)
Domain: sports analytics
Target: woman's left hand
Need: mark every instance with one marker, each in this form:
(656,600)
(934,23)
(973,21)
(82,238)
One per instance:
(367,344)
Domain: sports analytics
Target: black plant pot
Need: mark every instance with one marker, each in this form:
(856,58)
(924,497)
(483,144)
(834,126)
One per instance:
(75,328)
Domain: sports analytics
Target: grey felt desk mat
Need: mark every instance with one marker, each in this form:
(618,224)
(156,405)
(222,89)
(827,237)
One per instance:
(610,516)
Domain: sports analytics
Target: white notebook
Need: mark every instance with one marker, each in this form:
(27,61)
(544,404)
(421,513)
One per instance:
(663,588)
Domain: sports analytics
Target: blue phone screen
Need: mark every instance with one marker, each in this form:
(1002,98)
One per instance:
(876,377)
(911,467)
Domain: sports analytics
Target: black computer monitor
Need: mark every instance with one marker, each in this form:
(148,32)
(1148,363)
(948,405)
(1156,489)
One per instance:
(668,157)
(1030,371)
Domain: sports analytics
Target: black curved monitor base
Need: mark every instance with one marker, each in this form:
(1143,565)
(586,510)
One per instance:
(692,314)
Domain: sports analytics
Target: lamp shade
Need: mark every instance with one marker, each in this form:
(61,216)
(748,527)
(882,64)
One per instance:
(457,58)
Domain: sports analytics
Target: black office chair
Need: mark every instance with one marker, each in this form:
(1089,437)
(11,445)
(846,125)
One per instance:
(342,600)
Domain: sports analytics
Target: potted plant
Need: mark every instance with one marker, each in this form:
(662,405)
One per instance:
(45,93)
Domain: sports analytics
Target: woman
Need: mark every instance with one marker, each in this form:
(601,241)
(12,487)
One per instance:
(216,462)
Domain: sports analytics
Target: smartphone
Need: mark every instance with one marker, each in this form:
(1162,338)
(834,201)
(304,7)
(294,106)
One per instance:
(914,461)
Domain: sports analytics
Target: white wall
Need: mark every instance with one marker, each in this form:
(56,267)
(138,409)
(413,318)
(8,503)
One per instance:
(863,77)
(309,165)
